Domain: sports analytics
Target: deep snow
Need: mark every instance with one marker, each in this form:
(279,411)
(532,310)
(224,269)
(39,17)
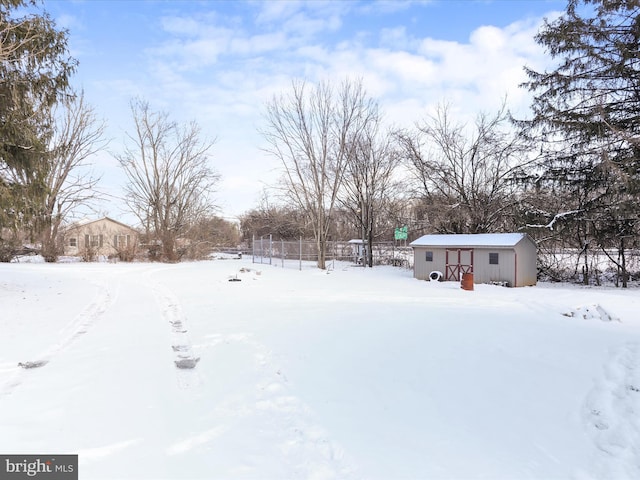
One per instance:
(346,374)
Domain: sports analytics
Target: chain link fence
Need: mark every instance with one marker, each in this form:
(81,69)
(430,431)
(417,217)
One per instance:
(566,265)
(596,267)
(291,254)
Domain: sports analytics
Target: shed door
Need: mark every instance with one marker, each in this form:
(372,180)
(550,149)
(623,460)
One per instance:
(459,261)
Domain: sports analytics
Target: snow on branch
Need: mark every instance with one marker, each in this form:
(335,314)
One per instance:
(557,217)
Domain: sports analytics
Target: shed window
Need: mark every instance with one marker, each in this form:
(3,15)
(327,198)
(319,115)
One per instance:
(73,242)
(493,259)
(428,256)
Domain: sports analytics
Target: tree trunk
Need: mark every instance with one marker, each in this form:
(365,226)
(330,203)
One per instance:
(585,267)
(49,249)
(322,252)
(623,263)
(169,248)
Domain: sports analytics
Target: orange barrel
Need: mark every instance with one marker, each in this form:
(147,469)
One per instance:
(467,281)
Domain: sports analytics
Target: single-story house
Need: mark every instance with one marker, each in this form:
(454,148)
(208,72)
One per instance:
(508,258)
(103,237)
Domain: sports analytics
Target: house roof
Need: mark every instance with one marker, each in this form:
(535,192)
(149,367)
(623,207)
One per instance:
(469,240)
(85,222)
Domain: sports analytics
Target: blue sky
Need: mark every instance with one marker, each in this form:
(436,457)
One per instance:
(218,62)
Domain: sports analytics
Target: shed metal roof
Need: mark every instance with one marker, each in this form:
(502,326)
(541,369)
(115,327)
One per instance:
(469,240)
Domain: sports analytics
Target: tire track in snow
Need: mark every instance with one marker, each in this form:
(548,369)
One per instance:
(184,359)
(612,415)
(78,327)
(299,443)
(306,446)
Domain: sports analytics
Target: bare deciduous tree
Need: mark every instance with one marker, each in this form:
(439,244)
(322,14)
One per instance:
(311,131)
(170,179)
(369,182)
(466,175)
(78,135)
(67,183)
(284,222)
(211,234)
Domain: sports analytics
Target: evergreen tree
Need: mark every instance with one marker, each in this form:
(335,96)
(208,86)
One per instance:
(587,116)
(34,74)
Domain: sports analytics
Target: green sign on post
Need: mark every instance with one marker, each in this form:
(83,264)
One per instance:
(401,233)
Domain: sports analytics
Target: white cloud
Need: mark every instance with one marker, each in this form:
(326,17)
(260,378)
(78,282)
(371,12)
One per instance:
(220,71)
(183,26)
(405,67)
(382,7)
(302,18)
(394,38)
(258,44)
(274,11)
(488,39)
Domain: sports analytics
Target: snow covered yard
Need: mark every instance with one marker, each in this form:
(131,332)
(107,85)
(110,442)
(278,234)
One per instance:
(352,373)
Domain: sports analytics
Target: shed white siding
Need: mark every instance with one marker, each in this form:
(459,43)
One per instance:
(423,267)
(508,257)
(503,271)
(527,252)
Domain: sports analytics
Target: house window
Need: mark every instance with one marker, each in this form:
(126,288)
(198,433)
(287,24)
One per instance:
(73,242)
(429,256)
(121,241)
(93,241)
(493,259)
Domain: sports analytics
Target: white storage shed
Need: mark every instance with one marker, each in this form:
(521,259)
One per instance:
(508,258)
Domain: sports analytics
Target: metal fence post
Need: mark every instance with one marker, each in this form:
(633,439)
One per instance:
(335,254)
